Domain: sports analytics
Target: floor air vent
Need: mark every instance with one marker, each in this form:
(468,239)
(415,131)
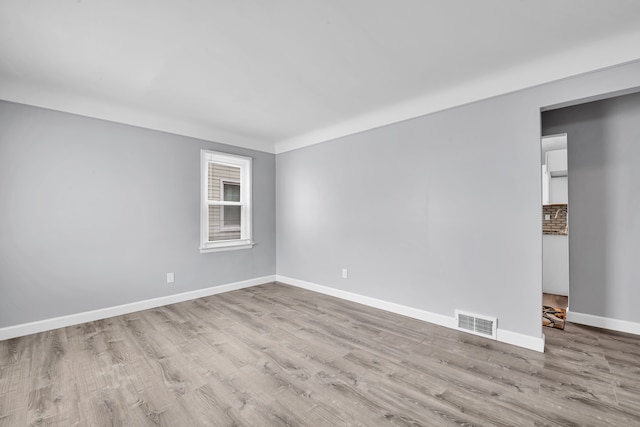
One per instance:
(476,324)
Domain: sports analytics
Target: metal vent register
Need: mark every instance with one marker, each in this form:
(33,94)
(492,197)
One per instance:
(477,324)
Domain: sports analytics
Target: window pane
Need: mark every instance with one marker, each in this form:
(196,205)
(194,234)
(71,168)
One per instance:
(231,216)
(231,191)
(218,230)
(218,173)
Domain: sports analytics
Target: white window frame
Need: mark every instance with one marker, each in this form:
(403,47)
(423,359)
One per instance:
(244,164)
(224,227)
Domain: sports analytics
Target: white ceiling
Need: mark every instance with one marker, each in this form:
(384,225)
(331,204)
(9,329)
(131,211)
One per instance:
(275,75)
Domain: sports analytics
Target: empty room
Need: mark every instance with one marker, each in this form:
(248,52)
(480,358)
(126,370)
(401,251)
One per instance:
(319,213)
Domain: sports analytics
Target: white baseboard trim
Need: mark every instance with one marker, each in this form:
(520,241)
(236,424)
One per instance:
(508,337)
(404,310)
(604,322)
(521,340)
(103,313)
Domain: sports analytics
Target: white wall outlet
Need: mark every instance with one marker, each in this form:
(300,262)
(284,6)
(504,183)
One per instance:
(171,277)
(547,217)
(345,273)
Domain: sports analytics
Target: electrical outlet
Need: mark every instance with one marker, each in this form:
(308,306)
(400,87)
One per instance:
(547,217)
(345,273)
(171,277)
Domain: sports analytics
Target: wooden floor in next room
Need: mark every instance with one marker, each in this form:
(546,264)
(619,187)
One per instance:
(553,300)
(554,310)
(275,355)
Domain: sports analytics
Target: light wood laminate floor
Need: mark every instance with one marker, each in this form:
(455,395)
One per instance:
(278,355)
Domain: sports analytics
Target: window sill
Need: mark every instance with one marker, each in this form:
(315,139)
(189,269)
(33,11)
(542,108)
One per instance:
(227,246)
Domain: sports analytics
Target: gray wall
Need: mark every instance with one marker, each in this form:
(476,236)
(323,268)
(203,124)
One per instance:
(604,201)
(94,214)
(436,213)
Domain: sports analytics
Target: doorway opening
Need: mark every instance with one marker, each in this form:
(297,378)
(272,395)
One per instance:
(555,230)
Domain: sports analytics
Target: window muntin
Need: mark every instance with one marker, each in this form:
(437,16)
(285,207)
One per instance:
(226,202)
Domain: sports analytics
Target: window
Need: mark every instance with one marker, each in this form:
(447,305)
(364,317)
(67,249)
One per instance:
(226,202)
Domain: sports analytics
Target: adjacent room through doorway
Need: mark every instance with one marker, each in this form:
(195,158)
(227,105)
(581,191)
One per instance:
(555,231)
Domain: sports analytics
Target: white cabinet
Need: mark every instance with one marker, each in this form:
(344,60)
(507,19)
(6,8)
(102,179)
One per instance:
(557,163)
(555,264)
(558,191)
(554,178)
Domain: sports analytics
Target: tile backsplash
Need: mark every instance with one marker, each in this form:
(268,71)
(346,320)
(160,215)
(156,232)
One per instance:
(557,222)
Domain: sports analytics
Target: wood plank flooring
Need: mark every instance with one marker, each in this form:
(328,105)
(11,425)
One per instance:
(554,310)
(278,355)
(560,301)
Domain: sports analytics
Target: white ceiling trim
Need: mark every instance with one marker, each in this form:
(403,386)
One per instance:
(101,109)
(595,56)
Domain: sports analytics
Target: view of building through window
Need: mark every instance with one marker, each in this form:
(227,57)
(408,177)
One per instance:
(224,186)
